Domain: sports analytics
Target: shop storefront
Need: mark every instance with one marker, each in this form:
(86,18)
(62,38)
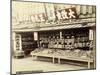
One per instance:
(68,37)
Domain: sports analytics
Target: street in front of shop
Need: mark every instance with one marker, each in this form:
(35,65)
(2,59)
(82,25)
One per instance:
(28,64)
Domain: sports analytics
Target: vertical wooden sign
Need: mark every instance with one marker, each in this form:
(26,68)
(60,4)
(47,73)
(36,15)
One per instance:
(35,36)
(50,11)
(18,42)
(90,34)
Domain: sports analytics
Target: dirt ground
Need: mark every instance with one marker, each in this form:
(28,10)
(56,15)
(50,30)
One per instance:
(29,64)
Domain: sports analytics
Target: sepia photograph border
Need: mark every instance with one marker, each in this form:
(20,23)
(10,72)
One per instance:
(32,72)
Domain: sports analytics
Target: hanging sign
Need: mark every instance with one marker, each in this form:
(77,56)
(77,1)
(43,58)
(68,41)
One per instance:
(35,36)
(90,34)
(50,11)
(18,42)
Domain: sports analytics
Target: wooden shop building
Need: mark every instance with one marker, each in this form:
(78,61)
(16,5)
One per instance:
(74,31)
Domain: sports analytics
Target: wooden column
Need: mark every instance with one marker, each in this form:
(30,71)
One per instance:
(13,41)
(92,38)
(89,65)
(20,40)
(94,46)
(53,60)
(59,62)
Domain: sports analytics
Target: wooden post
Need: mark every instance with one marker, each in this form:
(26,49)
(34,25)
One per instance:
(92,38)
(89,64)
(94,46)
(14,41)
(53,60)
(59,61)
(20,40)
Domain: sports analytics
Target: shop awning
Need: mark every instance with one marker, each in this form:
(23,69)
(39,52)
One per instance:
(60,27)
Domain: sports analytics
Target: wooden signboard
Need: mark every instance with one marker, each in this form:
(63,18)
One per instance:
(90,34)
(35,36)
